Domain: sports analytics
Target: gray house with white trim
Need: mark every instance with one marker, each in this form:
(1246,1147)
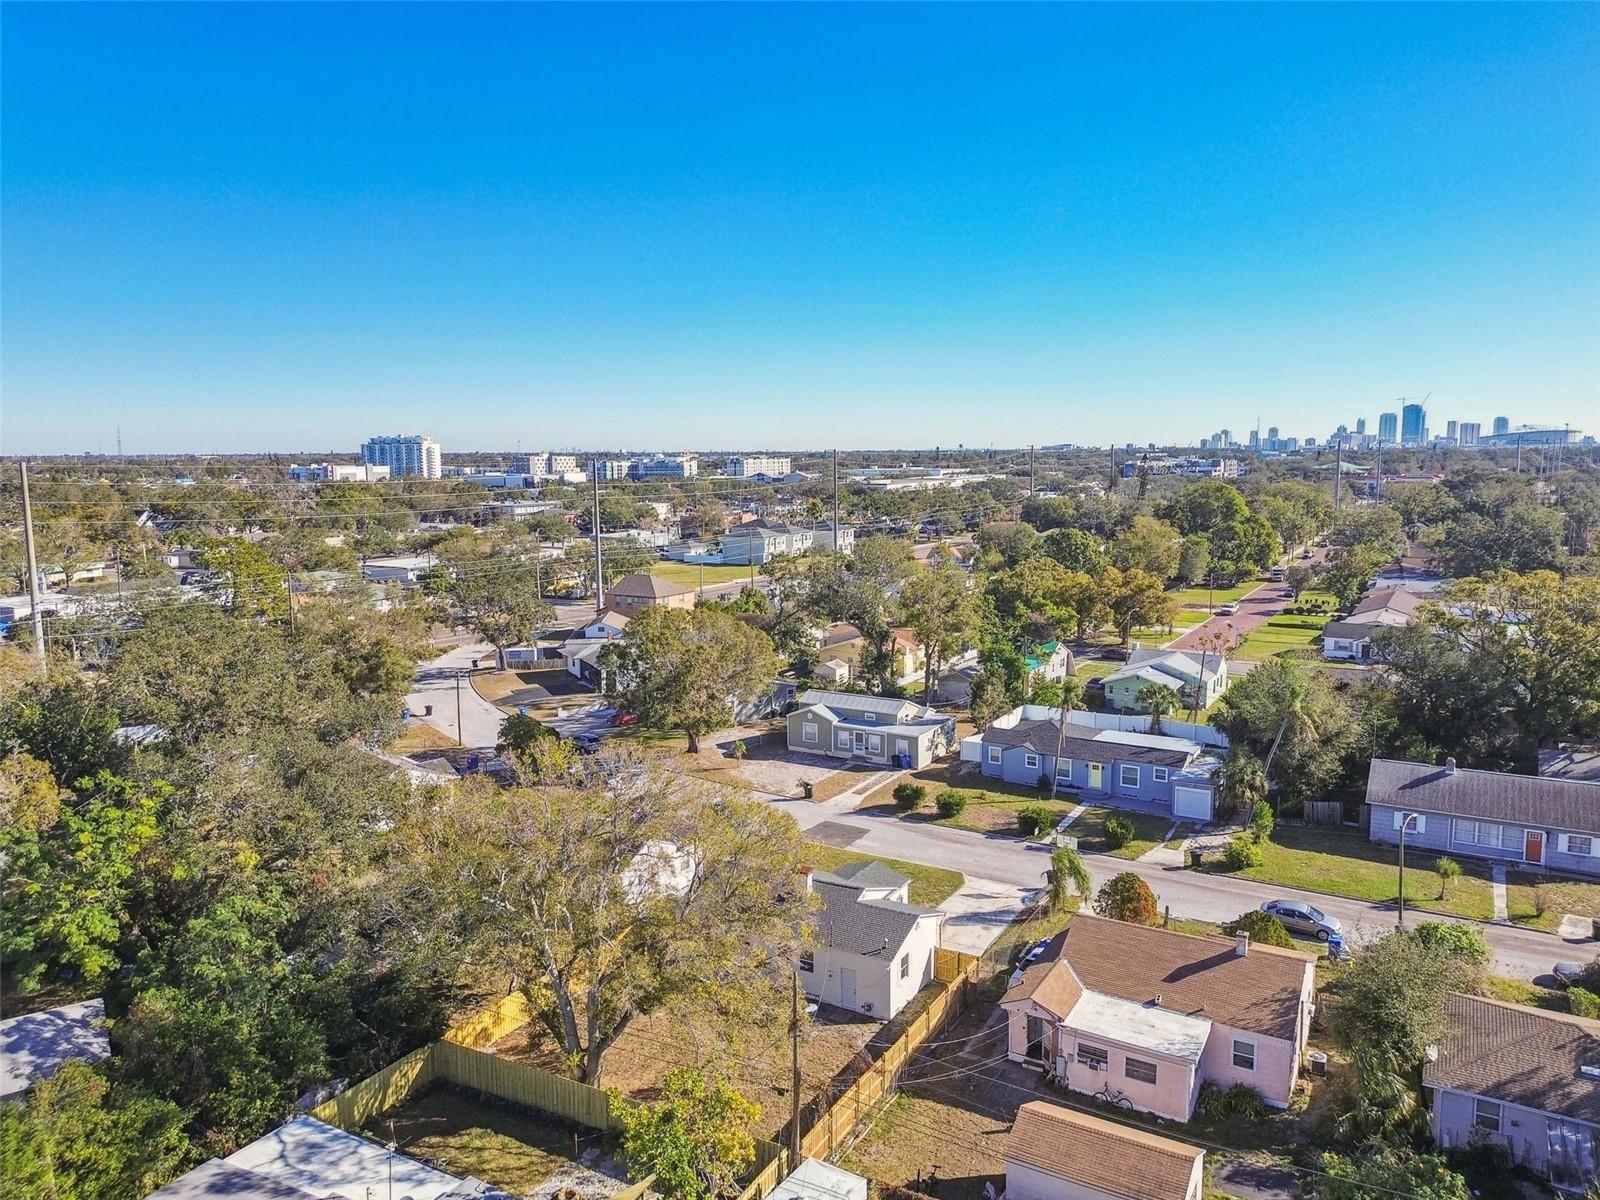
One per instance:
(1529,820)
(871,729)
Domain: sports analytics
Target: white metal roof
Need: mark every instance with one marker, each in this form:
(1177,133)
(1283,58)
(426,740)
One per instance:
(814,1179)
(36,1045)
(1169,1034)
(325,1161)
(1150,741)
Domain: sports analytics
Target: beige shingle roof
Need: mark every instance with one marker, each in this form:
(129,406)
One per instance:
(1101,1154)
(1050,984)
(653,586)
(1520,1055)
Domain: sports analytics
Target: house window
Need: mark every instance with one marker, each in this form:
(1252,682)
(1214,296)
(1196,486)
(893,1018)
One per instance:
(1064,769)
(1093,1057)
(1465,832)
(1128,775)
(1486,1115)
(1158,774)
(1419,825)
(874,743)
(1578,844)
(808,733)
(994,755)
(1137,1068)
(841,739)
(1244,1054)
(868,718)
(905,966)
(1031,761)
(808,962)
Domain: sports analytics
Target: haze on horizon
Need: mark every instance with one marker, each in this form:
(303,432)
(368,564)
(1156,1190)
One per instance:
(288,227)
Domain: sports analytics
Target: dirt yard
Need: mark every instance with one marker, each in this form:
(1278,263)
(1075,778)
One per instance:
(835,1048)
(768,766)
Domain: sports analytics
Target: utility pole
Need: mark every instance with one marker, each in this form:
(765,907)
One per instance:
(1338,473)
(1378,494)
(36,616)
(1519,455)
(460,741)
(599,578)
(1061,741)
(836,501)
(794,1091)
(1030,472)
(1113,468)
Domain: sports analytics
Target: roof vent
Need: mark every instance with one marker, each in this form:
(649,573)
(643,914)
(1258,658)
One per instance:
(1589,1070)
(1450,766)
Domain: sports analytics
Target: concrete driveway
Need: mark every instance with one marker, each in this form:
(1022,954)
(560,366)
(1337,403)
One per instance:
(442,682)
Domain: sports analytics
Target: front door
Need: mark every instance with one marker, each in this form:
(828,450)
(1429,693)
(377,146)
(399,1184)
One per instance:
(847,988)
(1036,1046)
(1096,770)
(1533,846)
(859,742)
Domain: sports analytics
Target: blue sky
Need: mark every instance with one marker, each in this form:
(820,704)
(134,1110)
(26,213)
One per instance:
(238,227)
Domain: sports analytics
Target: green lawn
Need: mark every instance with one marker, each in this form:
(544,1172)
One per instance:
(1280,635)
(992,804)
(930,886)
(689,574)
(1096,668)
(1343,862)
(1527,895)
(1196,597)
(1183,619)
(1089,829)
(1520,991)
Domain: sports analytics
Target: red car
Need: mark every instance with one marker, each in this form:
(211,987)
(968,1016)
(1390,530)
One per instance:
(620,719)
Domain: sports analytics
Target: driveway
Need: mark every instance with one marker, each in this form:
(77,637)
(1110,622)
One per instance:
(458,711)
(1522,953)
(978,912)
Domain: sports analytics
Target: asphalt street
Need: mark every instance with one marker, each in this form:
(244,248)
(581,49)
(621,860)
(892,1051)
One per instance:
(442,683)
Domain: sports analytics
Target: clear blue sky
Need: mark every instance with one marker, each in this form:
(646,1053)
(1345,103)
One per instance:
(240,227)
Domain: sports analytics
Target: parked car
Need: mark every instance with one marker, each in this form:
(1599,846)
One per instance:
(1567,973)
(1307,553)
(623,718)
(1300,917)
(1227,610)
(587,742)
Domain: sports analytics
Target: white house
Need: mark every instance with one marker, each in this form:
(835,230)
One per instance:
(874,948)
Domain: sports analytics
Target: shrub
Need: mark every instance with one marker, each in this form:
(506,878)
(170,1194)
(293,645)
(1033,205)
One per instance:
(951,803)
(1460,941)
(1243,851)
(1126,897)
(1261,821)
(1589,977)
(1238,1100)
(909,796)
(1035,819)
(1118,832)
(1584,1003)
(1262,927)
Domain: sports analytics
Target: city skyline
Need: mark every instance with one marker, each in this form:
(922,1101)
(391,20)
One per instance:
(869,226)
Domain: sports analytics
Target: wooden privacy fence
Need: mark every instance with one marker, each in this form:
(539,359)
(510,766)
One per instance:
(488,1026)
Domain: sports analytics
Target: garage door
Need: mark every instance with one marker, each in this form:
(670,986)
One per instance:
(1194,803)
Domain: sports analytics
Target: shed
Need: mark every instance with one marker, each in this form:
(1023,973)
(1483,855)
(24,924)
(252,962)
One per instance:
(814,1179)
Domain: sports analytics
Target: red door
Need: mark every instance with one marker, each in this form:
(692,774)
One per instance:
(1533,846)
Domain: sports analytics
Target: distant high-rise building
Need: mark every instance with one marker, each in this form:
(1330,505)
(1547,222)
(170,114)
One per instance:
(1450,430)
(1413,425)
(748,466)
(1272,433)
(1255,439)
(415,456)
(1225,438)
(1467,433)
(609,470)
(1388,428)
(1361,424)
(1502,425)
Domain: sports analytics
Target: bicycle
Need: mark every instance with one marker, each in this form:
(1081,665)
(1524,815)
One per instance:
(1108,1095)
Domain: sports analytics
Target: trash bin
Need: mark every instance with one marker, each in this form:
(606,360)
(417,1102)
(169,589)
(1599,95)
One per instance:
(1596,928)
(1197,857)
(427,710)
(805,788)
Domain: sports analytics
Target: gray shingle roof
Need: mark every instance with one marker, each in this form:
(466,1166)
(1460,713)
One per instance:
(651,586)
(859,926)
(1040,737)
(869,873)
(886,705)
(1520,1055)
(1486,795)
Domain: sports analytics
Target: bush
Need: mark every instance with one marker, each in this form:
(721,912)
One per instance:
(1262,927)
(1035,819)
(1243,851)
(1126,897)
(909,796)
(1261,821)
(1219,1103)
(1589,977)
(1460,941)
(1118,832)
(951,803)
(1584,1003)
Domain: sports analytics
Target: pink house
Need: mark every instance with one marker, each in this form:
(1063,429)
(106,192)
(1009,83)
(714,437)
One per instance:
(1142,1017)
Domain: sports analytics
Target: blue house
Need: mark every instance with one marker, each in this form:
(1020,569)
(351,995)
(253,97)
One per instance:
(1108,766)
(1530,820)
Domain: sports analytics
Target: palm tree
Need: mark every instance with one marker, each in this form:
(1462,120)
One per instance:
(1296,718)
(1071,694)
(1241,783)
(1068,876)
(1159,701)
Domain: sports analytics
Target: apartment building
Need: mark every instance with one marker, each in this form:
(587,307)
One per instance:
(406,456)
(764,466)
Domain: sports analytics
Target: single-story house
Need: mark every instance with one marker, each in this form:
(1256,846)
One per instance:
(1350,637)
(1571,760)
(1178,671)
(874,948)
(36,1045)
(1524,1077)
(1056,1153)
(632,594)
(404,569)
(1145,1015)
(877,729)
(306,1159)
(1531,820)
(1108,765)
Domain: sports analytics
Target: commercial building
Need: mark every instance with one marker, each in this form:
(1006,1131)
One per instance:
(564,467)
(338,473)
(1413,425)
(1531,435)
(666,466)
(609,470)
(406,456)
(1502,425)
(765,466)
(1468,433)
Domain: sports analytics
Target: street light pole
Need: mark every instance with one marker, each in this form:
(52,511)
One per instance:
(460,741)
(1406,820)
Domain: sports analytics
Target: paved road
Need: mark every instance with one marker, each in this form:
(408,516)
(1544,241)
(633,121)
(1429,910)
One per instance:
(1522,953)
(1267,600)
(436,683)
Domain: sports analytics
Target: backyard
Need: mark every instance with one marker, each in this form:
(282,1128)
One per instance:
(1342,862)
(514,1148)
